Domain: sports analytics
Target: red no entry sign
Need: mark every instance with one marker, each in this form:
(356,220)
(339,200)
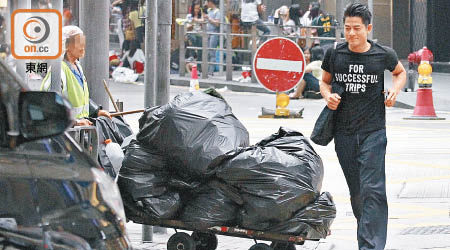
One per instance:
(279,64)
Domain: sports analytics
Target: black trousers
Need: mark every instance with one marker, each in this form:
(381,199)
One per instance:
(362,159)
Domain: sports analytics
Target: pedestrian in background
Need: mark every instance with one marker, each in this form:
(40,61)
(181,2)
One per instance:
(358,67)
(326,21)
(128,30)
(250,11)
(309,85)
(310,14)
(195,18)
(285,20)
(138,25)
(213,26)
(134,58)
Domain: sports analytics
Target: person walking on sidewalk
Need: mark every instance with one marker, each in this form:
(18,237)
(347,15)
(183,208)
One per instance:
(358,67)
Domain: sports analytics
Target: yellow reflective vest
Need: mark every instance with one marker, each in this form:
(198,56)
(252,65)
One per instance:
(71,89)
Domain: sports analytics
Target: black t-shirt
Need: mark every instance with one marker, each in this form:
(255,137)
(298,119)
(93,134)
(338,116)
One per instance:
(362,77)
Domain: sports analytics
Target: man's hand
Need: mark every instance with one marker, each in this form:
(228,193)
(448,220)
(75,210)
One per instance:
(333,101)
(399,81)
(83,122)
(104,113)
(391,98)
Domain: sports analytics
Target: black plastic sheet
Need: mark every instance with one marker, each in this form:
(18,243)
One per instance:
(275,178)
(313,221)
(210,207)
(194,131)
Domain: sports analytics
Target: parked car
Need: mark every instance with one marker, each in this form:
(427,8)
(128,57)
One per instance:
(53,195)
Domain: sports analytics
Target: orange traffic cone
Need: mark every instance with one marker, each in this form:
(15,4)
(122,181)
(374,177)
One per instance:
(424,109)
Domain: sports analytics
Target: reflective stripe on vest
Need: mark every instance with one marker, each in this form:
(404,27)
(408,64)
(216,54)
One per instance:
(72,90)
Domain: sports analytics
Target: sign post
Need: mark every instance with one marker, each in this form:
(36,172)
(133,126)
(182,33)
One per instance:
(279,66)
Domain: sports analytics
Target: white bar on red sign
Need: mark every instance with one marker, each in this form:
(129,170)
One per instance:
(279,65)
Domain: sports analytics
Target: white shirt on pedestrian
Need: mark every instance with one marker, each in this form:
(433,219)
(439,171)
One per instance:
(249,11)
(138,56)
(305,20)
(288,27)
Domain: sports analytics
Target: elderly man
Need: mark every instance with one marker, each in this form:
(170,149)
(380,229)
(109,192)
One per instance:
(75,88)
(73,82)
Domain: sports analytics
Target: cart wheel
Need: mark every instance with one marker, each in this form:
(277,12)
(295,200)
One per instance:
(282,246)
(204,241)
(180,241)
(260,246)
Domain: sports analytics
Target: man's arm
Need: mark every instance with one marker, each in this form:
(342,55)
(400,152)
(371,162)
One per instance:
(332,99)
(398,83)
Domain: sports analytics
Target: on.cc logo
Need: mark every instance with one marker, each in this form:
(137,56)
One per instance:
(36,29)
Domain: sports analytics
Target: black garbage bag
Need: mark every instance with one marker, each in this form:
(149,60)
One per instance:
(124,128)
(142,184)
(139,157)
(210,207)
(313,221)
(277,177)
(144,173)
(115,129)
(177,183)
(194,132)
(163,207)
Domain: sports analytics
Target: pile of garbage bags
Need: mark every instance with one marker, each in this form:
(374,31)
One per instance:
(192,161)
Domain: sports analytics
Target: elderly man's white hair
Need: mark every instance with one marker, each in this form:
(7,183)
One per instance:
(68,32)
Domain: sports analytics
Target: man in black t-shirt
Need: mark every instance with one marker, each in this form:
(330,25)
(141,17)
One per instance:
(360,125)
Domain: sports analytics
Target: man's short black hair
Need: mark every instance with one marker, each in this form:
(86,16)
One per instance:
(358,10)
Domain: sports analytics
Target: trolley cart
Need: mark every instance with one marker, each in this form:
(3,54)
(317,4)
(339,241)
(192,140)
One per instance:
(204,237)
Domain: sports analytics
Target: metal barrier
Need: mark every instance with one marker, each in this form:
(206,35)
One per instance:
(87,138)
(254,36)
